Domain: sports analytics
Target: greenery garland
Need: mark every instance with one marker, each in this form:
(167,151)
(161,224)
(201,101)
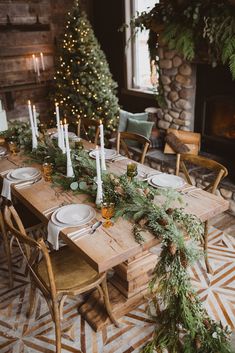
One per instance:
(183,325)
(196,28)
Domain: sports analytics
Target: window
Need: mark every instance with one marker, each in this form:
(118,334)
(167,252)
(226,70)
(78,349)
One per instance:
(138,63)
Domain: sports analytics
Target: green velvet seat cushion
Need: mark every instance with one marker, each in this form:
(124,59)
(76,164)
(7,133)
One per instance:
(124,116)
(143,128)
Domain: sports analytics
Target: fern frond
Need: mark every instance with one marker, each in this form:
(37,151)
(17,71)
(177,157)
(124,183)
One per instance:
(185,44)
(232,66)
(228,49)
(170,32)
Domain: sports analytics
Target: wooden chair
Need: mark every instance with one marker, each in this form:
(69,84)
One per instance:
(57,274)
(7,248)
(191,139)
(219,173)
(142,140)
(86,124)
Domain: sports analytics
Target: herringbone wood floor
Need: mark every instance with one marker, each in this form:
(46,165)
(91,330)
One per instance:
(18,334)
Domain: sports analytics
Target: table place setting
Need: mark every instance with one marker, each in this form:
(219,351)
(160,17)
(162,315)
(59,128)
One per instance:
(20,177)
(110,155)
(70,216)
(164,180)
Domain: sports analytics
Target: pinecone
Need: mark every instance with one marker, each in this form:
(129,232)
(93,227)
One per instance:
(183,259)
(172,248)
(169,211)
(142,222)
(146,191)
(207,324)
(198,342)
(162,221)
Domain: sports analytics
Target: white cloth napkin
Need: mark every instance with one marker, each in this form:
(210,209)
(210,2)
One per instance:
(53,231)
(6,188)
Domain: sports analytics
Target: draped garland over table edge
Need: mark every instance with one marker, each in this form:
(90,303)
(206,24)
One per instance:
(182,324)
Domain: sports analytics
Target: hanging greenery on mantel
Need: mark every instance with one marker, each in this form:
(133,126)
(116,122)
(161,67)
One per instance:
(195,28)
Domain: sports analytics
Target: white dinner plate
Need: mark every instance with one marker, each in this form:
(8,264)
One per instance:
(71,135)
(26,173)
(73,215)
(108,153)
(166,181)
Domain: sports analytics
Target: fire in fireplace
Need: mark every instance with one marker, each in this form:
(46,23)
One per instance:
(215,113)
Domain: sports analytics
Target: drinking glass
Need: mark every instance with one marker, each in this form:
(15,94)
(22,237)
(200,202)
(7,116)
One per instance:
(13,147)
(131,170)
(107,212)
(78,145)
(47,169)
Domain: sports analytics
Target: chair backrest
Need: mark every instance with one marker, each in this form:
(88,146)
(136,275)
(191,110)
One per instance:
(206,163)
(33,250)
(86,125)
(191,139)
(142,140)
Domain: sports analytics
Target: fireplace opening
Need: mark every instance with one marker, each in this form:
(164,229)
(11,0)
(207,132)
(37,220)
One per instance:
(215,113)
(220,117)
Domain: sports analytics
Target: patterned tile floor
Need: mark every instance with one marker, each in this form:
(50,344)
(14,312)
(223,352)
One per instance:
(21,335)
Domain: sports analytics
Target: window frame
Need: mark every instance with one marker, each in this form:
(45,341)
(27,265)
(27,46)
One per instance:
(130,62)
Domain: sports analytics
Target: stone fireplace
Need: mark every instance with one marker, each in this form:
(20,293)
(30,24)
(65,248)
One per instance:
(199,98)
(202,99)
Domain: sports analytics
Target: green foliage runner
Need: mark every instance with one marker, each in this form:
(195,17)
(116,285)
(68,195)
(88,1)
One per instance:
(182,325)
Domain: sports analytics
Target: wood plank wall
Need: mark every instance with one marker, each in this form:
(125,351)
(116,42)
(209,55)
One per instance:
(29,27)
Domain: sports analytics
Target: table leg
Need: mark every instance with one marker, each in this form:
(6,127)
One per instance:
(128,288)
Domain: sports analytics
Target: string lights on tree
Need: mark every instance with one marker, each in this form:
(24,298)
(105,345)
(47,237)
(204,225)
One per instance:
(84,84)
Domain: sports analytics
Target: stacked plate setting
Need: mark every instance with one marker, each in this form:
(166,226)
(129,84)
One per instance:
(23,174)
(72,136)
(73,215)
(166,181)
(108,153)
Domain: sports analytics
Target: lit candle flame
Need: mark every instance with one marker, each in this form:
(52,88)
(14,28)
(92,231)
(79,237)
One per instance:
(29,103)
(100,122)
(65,121)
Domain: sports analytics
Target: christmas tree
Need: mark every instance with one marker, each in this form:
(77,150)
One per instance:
(84,86)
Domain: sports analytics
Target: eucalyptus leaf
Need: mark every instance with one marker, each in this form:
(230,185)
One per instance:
(83,185)
(74,186)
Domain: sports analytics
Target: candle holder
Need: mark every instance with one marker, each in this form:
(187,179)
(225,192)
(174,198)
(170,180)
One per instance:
(13,148)
(47,169)
(78,145)
(131,170)
(107,212)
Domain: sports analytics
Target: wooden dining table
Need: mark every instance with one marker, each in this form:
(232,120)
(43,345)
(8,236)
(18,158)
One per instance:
(113,248)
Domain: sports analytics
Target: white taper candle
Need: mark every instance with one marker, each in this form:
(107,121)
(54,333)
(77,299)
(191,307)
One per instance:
(35,120)
(34,138)
(70,172)
(99,194)
(101,127)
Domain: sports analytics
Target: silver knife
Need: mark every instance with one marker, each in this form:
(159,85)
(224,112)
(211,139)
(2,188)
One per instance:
(87,230)
(95,227)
